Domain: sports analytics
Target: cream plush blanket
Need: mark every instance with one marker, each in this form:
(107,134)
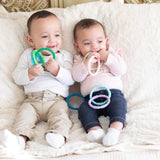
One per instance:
(133,28)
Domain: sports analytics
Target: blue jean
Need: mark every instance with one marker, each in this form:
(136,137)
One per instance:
(116,110)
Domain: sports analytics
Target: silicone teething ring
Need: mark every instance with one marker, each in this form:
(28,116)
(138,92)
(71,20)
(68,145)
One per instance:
(99,107)
(95,88)
(37,54)
(71,95)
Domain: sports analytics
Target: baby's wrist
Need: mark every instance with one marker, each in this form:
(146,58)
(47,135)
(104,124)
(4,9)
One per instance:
(55,73)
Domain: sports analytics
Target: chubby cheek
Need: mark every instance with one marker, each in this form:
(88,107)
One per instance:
(40,45)
(85,50)
(59,43)
(105,46)
(37,47)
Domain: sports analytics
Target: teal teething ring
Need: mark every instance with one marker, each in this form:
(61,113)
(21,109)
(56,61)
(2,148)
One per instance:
(36,54)
(102,103)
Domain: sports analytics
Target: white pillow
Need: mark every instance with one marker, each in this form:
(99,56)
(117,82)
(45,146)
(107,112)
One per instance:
(133,28)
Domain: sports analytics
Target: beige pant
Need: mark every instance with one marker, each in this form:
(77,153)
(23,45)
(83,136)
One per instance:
(43,106)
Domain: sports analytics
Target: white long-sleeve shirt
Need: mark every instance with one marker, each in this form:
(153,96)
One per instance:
(57,84)
(108,76)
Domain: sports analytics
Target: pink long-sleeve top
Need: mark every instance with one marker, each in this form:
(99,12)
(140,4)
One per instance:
(108,76)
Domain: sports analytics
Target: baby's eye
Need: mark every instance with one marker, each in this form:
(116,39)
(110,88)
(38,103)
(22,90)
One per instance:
(100,41)
(57,35)
(44,36)
(87,43)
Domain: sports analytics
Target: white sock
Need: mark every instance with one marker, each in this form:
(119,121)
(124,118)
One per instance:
(96,135)
(11,141)
(112,137)
(55,140)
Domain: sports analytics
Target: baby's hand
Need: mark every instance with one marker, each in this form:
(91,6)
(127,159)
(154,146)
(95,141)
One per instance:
(103,54)
(52,66)
(35,71)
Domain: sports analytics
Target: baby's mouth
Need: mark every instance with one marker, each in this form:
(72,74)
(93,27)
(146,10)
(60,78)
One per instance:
(51,47)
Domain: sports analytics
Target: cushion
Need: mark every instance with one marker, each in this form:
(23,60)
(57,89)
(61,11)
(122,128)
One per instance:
(134,29)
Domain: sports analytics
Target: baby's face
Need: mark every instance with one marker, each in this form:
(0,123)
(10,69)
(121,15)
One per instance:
(46,33)
(90,39)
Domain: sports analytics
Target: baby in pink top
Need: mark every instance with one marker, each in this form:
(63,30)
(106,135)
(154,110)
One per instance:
(90,37)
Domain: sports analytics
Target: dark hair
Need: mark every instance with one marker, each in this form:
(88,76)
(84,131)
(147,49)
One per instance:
(37,15)
(86,23)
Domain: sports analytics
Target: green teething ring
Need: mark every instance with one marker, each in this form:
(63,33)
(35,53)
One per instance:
(48,49)
(37,54)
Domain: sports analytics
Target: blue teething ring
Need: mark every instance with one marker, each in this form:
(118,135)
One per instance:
(34,56)
(37,54)
(71,95)
(99,103)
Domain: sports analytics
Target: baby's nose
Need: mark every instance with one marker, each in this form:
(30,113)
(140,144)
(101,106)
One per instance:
(95,48)
(51,39)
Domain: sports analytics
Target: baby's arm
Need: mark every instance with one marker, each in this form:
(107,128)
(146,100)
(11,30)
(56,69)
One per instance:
(79,70)
(62,71)
(24,72)
(116,64)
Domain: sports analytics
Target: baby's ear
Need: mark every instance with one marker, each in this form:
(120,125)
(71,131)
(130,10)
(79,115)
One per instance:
(107,44)
(76,47)
(29,40)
